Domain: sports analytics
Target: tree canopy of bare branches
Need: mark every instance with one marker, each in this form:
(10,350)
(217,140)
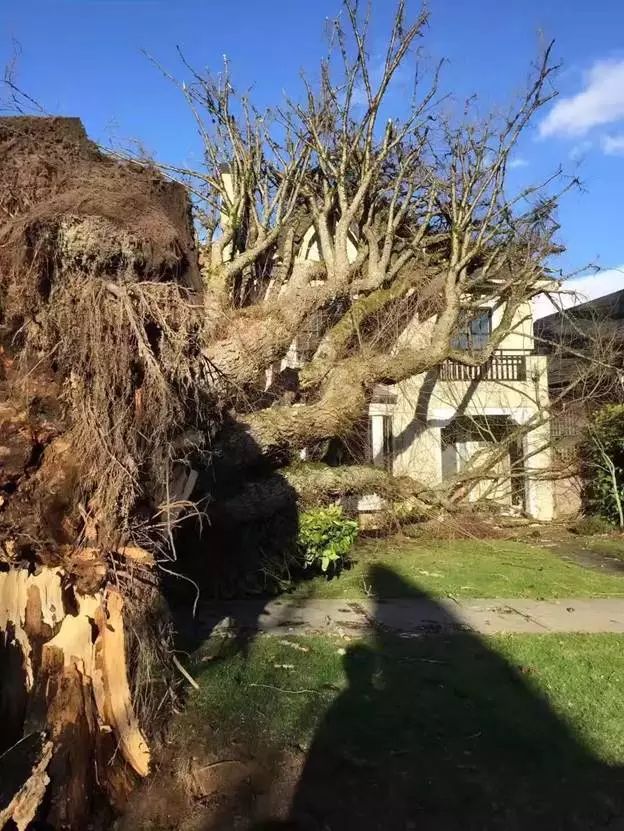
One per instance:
(335,214)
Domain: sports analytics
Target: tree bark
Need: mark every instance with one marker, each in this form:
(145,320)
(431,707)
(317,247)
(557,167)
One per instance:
(306,485)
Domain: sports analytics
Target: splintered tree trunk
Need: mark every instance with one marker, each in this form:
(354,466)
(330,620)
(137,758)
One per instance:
(64,681)
(68,732)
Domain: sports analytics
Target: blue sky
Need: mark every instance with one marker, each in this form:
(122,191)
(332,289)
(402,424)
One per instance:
(83,57)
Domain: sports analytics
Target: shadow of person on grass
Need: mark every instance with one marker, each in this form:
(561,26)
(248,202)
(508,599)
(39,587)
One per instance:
(439,731)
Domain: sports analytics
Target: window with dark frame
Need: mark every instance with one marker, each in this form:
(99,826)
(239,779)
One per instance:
(475,332)
(388,444)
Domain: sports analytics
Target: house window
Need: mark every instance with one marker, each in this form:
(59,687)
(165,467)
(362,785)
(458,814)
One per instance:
(475,332)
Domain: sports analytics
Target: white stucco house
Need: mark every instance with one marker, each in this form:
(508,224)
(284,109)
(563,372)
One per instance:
(433,426)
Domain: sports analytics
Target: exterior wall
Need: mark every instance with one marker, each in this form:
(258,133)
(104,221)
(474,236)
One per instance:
(424,401)
(520,337)
(309,251)
(567,497)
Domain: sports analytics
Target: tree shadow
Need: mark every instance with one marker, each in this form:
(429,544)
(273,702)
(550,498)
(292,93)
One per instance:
(441,732)
(220,557)
(404,440)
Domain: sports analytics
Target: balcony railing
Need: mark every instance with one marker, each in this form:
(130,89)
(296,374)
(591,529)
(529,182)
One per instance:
(498,368)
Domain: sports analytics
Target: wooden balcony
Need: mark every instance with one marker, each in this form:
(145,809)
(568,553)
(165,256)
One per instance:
(499,368)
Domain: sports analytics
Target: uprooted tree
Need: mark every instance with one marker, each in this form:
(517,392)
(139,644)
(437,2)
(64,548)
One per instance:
(139,351)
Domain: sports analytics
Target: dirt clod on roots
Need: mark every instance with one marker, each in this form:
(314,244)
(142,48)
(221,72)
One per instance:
(99,296)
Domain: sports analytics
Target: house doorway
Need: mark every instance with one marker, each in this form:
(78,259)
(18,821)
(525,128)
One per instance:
(486,444)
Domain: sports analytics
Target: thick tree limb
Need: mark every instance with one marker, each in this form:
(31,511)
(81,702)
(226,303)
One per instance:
(310,484)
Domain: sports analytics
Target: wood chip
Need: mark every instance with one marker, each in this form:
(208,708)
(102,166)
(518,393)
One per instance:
(293,645)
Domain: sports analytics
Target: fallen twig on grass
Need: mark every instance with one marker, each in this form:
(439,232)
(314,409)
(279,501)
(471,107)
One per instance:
(284,690)
(179,666)
(296,646)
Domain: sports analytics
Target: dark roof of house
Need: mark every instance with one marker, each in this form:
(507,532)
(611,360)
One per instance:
(589,329)
(609,305)
(604,316)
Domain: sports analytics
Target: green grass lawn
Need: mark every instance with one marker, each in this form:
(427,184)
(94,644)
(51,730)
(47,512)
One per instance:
(425,733)
(606,546)
(467,568)
(435,732)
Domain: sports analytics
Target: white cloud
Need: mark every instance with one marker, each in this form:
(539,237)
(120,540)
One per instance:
(601,102)
(580,150)
(517,162)
(613,145)
(579,290)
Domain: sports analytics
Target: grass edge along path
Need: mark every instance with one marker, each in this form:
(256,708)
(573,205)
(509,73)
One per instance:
(463,568)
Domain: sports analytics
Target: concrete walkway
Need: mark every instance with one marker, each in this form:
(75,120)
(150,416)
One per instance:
(412,616)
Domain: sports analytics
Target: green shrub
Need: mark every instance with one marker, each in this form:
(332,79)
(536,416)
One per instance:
(587,526)
(326,537)
(603,463)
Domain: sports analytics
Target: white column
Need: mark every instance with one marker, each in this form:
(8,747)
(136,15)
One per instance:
(538,486)
(536,446)
(377,439)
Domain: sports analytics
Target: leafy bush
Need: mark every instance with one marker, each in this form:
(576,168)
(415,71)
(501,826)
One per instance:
(603,463)
(326,537)
(587,526)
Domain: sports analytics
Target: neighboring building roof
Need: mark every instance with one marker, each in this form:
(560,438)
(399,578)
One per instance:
(572,291)
(592,328)
(603,314)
